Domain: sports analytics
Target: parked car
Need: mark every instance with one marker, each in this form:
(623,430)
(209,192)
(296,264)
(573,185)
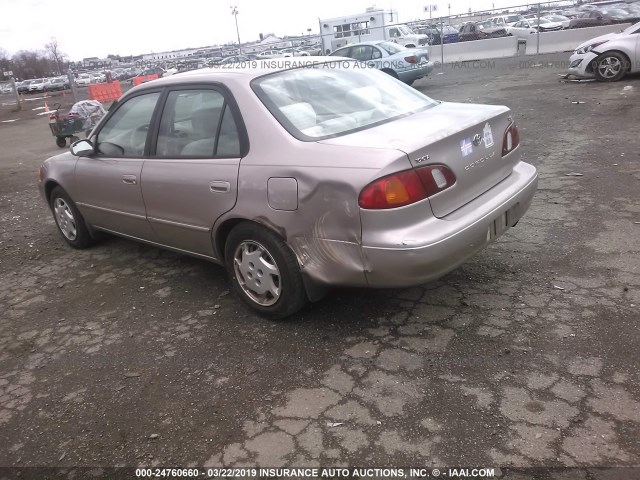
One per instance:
(405,64)
(58,83)
(480,31)
(37,85)
(506,20)
(271,54)
(622,15)
(83,80)
(608,58)
(237,59)
(6,88)
(23,86)
(436,32)
(592,18)
(525,28)
(350,178)
(561,19)
(311,49)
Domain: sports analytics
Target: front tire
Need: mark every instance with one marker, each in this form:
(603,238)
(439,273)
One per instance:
(264,271)
(69,220)
(610,67)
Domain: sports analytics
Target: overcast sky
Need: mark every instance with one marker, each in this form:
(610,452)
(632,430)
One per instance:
(130,27)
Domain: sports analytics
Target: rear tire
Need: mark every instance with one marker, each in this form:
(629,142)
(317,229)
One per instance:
(264,271)
(610,67)
(69,220)
(61,142)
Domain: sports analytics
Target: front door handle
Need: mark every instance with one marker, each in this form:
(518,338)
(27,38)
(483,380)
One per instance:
(129,179)
(219,186)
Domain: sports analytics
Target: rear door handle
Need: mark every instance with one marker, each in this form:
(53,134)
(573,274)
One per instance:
(219,186)
(129,179)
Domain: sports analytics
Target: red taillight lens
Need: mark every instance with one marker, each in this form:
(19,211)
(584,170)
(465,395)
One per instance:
(405,188)
(511,139)
(411,59)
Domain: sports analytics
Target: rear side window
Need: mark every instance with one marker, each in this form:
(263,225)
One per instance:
(197,124)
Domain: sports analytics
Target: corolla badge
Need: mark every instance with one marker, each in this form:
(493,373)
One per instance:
(479,162)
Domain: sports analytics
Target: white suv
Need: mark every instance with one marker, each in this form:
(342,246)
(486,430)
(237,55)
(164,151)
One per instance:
(506,20)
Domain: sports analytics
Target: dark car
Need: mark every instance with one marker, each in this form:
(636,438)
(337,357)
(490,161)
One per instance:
(436,32)
(622,15)
(480,31)
(593,18)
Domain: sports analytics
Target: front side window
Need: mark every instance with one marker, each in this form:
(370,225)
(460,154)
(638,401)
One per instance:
(125,133)
(326,101)
(197,124)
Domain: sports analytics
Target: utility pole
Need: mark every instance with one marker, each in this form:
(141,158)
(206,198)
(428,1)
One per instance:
(234,12)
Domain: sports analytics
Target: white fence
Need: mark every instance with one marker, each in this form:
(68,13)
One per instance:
(550,42)
(475,50)
(568,40)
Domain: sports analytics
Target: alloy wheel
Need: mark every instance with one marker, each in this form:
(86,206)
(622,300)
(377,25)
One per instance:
(257,273)
(64,219)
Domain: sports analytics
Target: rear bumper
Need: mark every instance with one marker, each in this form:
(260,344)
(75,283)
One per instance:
(439,245)
(414,73)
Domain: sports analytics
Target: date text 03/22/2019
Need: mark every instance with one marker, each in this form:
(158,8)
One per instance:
(315,473)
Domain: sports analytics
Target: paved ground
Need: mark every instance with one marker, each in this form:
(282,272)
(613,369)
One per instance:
(528,355)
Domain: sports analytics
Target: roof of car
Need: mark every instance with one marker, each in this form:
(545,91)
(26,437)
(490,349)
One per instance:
(249,69)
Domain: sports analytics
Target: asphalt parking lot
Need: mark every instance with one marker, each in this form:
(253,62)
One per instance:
(125,354)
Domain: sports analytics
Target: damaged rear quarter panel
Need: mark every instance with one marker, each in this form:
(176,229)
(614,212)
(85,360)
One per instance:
(325,230)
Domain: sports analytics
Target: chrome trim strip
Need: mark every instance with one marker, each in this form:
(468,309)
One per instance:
(178,224)
(118,212)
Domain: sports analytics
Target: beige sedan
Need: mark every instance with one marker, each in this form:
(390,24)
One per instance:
(296,178)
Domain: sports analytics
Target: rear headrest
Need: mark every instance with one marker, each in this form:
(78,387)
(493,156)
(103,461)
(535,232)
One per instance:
(205,122)
(369,97)
(302,115)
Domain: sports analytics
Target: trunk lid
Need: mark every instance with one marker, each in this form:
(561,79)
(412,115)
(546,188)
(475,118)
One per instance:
(445,135)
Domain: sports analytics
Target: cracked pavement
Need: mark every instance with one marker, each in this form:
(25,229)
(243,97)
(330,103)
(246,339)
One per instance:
(527,355)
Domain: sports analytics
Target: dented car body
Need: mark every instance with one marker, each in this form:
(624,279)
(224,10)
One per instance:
(296,179)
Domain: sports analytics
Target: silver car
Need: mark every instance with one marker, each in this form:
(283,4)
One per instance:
(406,64)
(296,178)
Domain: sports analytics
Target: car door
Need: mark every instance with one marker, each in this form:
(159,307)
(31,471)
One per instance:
(191,177)
(107,188)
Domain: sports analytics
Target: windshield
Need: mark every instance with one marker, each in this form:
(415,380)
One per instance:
(391,48)
(513,18)
(325,101)
(405,30)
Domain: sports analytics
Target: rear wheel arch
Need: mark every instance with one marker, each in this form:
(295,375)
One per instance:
(223,231)
(389,72)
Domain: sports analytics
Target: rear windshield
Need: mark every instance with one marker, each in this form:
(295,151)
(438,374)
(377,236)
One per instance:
(391,48)
(327,100)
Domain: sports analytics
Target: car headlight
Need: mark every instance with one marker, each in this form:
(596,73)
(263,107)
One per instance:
(588,48)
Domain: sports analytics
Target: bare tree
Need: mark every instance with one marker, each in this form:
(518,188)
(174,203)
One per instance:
(53,48)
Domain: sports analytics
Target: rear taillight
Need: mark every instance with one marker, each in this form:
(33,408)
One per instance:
(511,139)
(411,59)
(405,188)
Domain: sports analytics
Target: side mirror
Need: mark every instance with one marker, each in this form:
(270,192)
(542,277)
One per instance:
(82,148)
